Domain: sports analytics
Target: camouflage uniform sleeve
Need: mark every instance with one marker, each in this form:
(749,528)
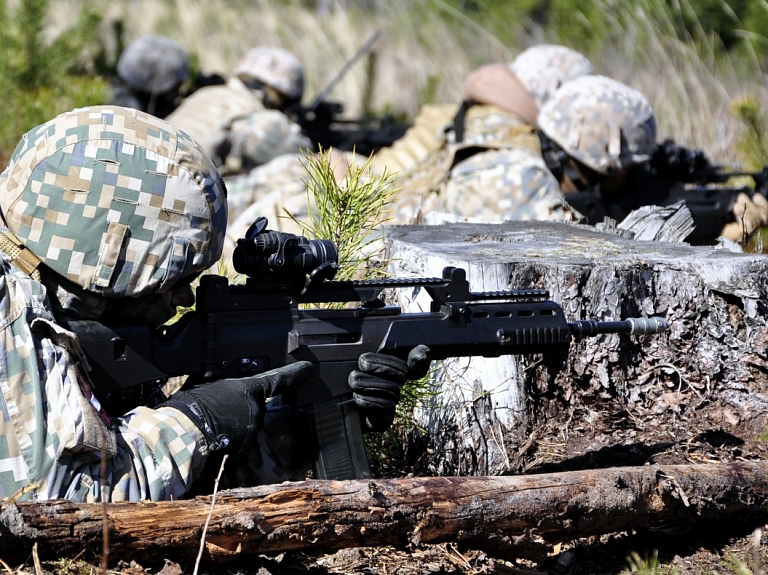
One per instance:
(159,454)
(253,139)
(53,430)
(504,184)
(206,111)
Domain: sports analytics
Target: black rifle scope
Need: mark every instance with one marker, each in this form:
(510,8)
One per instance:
(265,254)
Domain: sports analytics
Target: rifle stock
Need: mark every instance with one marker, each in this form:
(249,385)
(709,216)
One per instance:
(239,330)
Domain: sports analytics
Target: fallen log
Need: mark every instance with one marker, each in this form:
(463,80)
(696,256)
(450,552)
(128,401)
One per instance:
(521,516)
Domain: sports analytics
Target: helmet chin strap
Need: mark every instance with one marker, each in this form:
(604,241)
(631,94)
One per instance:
(561,164)
(21,257)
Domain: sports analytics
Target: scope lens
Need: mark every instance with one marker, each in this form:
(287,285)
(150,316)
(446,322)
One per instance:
(324,251)
(280,255)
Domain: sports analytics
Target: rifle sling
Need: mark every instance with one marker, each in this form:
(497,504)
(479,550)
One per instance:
(460,119)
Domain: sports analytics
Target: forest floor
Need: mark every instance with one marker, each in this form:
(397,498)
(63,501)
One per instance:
(708,429)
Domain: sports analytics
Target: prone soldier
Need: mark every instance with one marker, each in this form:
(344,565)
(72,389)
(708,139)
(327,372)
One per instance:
(593,131)
(108,214)
(150,73)
(241,124)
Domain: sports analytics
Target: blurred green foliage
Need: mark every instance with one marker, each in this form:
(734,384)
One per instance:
(586,24)
(752,143)
(43,78)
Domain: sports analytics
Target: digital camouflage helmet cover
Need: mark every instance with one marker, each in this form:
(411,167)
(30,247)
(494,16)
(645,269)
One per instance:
(602,123)
(274,67)
(545,67)
(116,201)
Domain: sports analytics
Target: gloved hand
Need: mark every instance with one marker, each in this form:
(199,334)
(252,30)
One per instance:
(376,385)
(750,214)
(230,412)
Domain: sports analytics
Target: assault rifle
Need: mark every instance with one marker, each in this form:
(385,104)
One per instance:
(238,330)
(324,124)
(675,174)
(322,121)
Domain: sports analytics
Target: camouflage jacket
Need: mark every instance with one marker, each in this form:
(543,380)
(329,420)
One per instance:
(53,430)
(235,129)
(496,173)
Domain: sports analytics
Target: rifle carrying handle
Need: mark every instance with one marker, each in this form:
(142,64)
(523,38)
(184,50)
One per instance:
(338,435)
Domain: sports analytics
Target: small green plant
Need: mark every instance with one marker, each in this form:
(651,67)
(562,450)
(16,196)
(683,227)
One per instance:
(752,144)
(752,149)
(645,565)
(738,566)
(396,452)
(348,211)
(763,435)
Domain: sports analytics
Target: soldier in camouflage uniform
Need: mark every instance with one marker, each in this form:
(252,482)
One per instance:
(498,114)
(241,124)
(592,129)
(496,97)
(498,109)
(109,213)
(150,73)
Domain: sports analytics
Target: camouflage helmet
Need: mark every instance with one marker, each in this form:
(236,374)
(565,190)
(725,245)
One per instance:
(116,201)
(276,68)
(600,122)
(153,64)
(544,68)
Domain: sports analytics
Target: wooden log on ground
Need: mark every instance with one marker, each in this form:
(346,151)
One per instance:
(493,416)
(514,516)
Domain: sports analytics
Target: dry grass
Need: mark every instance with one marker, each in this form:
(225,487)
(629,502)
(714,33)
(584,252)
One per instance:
(427,48)
(416,49)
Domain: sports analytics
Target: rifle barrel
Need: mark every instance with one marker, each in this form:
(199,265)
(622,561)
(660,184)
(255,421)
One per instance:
(347,65)
(633,326)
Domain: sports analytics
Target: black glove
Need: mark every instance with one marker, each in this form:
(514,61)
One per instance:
(230,412)
(376,385)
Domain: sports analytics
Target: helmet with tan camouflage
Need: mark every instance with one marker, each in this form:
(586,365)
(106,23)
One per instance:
(544,68)
(153,64)
(274,67)
(116,201)
(600,122)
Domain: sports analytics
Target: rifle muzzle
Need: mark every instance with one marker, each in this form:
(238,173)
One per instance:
(633,326)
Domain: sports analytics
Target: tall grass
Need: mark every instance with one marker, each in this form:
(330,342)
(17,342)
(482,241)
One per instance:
(348,210)
(428,46)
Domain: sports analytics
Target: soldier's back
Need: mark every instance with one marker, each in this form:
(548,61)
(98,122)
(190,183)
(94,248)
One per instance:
(208,109)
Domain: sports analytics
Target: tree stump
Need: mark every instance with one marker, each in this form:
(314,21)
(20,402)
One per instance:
(694,393)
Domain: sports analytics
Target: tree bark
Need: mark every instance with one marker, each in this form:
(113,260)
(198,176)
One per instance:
(514,516)
(491,416)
